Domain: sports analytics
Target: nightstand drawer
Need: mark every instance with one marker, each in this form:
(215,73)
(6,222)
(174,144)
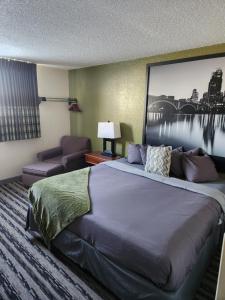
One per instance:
(96,158)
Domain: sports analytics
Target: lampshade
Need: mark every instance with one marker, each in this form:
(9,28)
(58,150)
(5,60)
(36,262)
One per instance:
(109,130)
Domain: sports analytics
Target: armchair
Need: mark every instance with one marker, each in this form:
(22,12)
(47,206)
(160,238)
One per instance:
(70,153)
(67,157)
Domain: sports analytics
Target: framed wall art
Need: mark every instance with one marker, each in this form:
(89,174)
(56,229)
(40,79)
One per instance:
(185,104)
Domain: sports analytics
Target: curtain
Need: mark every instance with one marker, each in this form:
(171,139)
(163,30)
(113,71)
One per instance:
(19,102)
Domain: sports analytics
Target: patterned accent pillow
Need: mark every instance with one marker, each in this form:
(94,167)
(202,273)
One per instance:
(158,160)
(143,151)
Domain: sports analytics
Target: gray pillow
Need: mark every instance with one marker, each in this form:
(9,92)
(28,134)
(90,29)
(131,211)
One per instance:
(176,168)
(199,168)
(134,155)
(195,151)
(143,152)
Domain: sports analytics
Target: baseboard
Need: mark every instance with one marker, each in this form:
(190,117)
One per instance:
(7,180)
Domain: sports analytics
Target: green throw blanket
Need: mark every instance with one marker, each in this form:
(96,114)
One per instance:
(58,200)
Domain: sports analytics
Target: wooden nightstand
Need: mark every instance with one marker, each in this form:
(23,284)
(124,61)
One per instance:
(95,158)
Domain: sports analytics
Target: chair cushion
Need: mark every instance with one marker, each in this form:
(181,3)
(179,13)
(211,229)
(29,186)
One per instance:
(71,144)
(43,169)
(55,160)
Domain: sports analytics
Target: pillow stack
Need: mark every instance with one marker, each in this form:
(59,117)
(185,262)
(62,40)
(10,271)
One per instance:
(194,165)
(155,159)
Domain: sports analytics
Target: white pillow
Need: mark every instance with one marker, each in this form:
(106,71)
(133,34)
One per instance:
(158,160)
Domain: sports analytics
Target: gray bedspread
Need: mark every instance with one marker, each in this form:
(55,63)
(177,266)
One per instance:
(145,226)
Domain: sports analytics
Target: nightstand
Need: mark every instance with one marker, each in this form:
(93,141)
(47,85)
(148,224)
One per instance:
(95,158)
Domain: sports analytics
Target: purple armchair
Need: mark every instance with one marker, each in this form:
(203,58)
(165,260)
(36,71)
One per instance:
(67,157)
(70,153)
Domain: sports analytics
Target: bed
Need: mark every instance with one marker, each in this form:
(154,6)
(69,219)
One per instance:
(151,237)
(146,237)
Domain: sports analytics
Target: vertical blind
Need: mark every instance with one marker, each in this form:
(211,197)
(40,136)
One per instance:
(19,102)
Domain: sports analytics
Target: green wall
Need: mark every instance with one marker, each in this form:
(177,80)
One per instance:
(117,92)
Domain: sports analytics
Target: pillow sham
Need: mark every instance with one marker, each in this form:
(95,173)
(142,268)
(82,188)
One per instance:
(158,160)
(199,168)
(176,168)
(143,152)
(134,155)
(195,151)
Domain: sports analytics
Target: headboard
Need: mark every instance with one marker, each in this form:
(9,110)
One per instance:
(185,105)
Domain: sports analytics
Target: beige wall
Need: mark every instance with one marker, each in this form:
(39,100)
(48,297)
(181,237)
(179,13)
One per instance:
(52,82)
(117,92)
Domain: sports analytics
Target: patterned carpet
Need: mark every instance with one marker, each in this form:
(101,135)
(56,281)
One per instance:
(29,271)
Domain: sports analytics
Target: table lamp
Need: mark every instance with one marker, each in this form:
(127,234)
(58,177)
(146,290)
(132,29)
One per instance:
(109,131)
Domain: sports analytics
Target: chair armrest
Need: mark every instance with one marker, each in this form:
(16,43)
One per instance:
(75,160)
(43,155)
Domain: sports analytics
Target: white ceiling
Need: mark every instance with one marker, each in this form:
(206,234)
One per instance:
(80,33)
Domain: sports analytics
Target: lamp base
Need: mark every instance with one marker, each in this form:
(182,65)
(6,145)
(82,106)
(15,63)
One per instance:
(110,153)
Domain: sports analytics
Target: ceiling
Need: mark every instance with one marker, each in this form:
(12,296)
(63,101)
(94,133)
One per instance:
(81,33)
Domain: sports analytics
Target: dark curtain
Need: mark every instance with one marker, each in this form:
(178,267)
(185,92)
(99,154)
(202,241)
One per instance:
(19,102)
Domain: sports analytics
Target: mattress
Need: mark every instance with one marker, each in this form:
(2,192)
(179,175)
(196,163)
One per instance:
(148,227)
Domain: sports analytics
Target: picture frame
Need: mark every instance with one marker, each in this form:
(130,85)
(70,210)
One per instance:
(185,103)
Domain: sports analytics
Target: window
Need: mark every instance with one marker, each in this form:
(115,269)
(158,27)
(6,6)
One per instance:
(19,102)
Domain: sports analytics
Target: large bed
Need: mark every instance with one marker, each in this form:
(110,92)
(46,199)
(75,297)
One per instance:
(149,236)
(146,237)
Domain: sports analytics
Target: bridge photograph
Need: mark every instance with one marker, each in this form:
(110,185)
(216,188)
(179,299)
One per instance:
(212,100)
(186,102)
(165,105)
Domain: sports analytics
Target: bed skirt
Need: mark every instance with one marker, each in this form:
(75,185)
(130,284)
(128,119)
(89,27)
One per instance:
(126,284)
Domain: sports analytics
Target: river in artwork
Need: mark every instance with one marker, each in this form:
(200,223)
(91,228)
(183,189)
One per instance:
(190,130)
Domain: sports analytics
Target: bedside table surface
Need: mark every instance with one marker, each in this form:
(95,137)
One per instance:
(99,154)
(96,157)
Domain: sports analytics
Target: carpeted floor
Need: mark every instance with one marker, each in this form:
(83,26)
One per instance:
(29,271)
